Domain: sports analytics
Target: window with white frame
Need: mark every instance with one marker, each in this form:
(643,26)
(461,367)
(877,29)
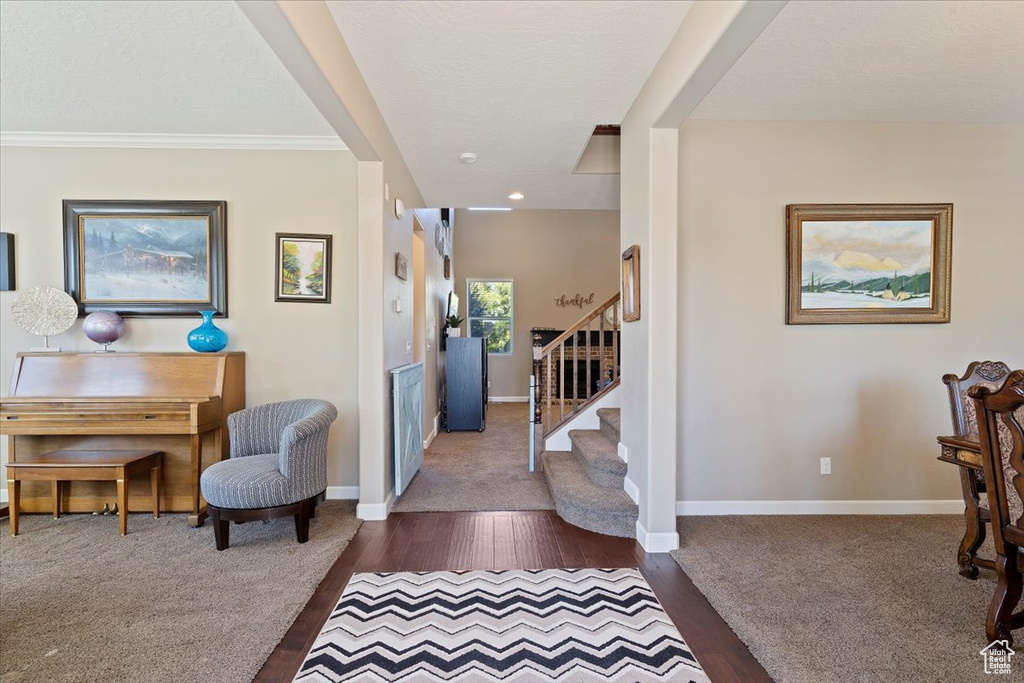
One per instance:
(489,313)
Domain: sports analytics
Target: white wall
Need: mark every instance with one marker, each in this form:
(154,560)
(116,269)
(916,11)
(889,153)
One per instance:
(761,401)
(293,349)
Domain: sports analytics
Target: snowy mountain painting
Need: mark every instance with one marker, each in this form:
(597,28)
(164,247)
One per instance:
(145,259)
(866,264)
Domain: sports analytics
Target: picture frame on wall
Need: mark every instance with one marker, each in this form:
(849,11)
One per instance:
(631,284)
(868,263)
(303,268)
(8,281)
(146,258)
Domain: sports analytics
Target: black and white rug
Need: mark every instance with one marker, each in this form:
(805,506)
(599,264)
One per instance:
(565,625)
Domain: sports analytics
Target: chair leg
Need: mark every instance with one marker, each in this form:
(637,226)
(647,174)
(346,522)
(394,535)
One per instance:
(221,528)
(313,502)
(302,522)
(1006,597)
(974,535)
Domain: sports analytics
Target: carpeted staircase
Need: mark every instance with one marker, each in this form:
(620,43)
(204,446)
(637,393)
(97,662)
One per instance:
(587,483)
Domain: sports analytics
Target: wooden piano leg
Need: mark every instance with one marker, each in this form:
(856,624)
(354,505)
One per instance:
(14,503)
(198,515)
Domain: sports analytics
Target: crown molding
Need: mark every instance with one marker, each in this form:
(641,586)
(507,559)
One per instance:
(162,141)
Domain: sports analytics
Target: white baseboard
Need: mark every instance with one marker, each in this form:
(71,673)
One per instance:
(656,543)
(433,433)
(623,452)
(342,493)
(687,508)
(631,489)
(375,512)
(508,399)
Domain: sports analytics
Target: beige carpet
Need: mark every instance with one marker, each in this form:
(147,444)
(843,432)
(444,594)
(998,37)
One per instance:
(844,598)
(80,603)
(486,470)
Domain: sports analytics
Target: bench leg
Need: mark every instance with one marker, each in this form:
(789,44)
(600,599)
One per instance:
(14,497)
(122,505)
(154,485)
(55,490)
(221,529)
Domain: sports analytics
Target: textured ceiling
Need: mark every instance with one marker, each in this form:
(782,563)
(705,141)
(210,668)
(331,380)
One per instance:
(880,61)
(522,84)
(144,68)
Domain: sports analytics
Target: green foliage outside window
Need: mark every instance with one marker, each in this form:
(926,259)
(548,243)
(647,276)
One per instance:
(490,313)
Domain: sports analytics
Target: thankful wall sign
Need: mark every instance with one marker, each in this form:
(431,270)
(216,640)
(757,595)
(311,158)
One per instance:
(579,301)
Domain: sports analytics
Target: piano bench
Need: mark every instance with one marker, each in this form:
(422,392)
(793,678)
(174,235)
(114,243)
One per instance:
(60,466)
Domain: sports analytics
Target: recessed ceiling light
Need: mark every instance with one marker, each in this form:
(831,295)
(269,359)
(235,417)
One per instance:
(468,158)
(517,195)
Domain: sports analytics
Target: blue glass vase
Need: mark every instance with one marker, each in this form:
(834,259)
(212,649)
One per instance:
(207,338)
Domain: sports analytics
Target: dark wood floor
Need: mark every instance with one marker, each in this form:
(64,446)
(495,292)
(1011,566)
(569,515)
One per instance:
(434,541)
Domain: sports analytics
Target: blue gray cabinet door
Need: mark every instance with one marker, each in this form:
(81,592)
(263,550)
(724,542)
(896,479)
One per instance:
(466,367)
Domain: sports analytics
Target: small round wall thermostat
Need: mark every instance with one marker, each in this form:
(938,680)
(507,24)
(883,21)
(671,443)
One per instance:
(399,208)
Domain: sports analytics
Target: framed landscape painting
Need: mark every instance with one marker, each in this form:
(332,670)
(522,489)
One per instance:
(146,258)
(303,268)
(868,263)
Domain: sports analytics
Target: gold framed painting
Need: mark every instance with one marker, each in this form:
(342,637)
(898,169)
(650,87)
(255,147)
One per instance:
(868,263)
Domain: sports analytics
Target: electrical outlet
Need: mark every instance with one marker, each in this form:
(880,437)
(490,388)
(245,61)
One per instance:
(826,465)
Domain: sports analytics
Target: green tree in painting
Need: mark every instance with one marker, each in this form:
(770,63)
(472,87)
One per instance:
(291,269)
(490,313)
(315,280)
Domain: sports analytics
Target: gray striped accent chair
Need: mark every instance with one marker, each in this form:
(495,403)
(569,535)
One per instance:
(278,466)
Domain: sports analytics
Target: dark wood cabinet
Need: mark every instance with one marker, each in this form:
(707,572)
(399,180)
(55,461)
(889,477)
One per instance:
(466,369)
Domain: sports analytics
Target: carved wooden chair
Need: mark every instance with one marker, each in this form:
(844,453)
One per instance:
(991,374)
(1001,428)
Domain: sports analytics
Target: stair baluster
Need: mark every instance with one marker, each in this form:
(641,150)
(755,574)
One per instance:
(549,390)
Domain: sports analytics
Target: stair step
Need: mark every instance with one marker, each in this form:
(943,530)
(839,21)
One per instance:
(581,502)
(610,421)
(599,457)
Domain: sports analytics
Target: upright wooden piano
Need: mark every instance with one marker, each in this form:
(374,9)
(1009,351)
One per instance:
(176,403)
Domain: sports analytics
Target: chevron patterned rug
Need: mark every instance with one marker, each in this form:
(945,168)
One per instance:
(567,625)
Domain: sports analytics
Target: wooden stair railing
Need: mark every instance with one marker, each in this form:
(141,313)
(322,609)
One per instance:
(554,403)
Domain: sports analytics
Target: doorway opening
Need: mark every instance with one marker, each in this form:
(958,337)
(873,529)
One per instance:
(472,461)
